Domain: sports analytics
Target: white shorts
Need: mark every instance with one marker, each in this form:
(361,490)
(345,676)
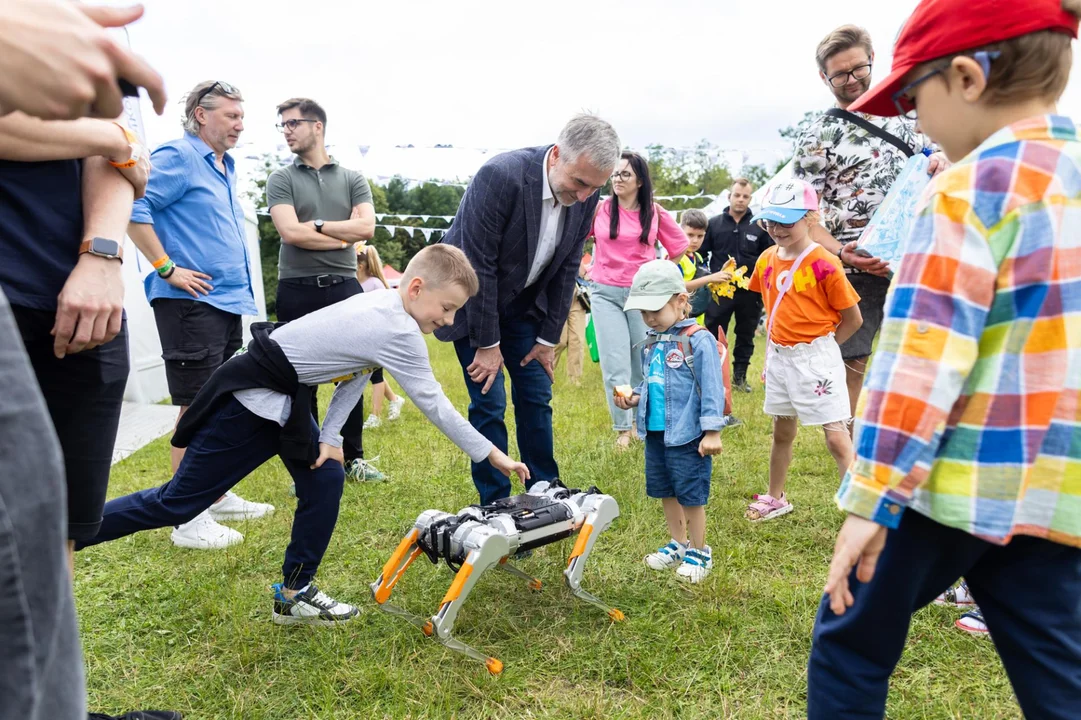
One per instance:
(807,381)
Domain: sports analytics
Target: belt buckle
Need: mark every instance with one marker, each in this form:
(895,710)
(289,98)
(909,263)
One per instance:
(319,281)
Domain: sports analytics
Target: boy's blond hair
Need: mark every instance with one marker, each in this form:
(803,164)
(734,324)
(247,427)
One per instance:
(1029,67)
(441,265)
(694,218)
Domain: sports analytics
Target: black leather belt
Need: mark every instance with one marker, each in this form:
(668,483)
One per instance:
(323,281)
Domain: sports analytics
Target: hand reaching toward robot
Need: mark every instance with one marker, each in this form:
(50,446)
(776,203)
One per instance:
(501,462)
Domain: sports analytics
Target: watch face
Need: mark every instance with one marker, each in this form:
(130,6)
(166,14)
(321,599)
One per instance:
(104,246)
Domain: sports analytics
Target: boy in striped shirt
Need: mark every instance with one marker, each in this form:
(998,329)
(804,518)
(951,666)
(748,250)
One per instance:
(968,442)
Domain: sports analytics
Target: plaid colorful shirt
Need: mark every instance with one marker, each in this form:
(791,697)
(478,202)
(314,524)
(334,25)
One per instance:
(971,411)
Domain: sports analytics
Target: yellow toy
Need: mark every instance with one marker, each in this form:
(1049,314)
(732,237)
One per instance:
(728,289)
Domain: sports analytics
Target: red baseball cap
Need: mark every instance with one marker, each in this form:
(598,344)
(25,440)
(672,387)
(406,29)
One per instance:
(938,28)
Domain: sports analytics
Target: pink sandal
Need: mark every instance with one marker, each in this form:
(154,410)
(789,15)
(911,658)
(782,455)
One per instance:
(766,507)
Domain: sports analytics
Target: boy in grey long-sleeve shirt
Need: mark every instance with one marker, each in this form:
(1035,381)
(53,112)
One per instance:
(344,343)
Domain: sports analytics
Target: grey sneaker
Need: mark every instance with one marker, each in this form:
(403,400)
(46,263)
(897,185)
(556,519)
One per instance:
(731,421)
(361,470)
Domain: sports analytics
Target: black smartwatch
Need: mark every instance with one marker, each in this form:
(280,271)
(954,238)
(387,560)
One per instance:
(103,247)
(319,226)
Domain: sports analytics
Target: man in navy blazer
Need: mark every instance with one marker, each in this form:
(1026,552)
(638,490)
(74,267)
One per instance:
(522,224)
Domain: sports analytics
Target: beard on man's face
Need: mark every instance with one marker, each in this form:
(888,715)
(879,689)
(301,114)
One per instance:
(852,91)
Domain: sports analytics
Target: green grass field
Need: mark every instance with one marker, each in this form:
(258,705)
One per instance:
(187,630)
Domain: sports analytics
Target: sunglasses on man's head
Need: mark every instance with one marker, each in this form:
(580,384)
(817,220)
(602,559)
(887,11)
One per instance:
(226,88)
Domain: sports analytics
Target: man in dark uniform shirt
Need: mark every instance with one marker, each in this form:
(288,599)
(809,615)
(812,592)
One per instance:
(732,234)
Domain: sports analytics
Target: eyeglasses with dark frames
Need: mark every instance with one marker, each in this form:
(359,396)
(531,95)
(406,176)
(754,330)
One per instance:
(858,73)
(292,124)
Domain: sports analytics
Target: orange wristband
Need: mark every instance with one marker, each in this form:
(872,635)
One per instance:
(160,262)
(133,141)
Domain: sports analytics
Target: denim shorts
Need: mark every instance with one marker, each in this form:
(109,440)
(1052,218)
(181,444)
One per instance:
(678,472)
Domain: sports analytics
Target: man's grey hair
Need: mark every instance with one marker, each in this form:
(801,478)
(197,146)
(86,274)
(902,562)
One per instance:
(588,135)
(210,101)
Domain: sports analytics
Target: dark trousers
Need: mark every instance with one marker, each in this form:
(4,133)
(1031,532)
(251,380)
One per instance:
(295,301)
(1030,595)
(746,306)
(531,393)
(84,393)
(231,445)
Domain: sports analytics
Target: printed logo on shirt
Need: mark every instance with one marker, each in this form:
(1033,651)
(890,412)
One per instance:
(752,238)
(674,358)
(807,276)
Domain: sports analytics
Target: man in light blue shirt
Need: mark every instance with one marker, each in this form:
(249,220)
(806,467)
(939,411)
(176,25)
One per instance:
(191,227)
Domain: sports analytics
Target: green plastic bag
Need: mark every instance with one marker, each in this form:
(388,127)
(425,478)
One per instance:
(591,340)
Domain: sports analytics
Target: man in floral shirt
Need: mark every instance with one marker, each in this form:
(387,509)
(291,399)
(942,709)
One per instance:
(852,169)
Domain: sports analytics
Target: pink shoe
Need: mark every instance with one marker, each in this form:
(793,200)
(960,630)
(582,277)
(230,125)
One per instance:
(766,507)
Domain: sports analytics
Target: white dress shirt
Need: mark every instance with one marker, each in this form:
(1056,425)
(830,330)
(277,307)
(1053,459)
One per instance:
(551,227)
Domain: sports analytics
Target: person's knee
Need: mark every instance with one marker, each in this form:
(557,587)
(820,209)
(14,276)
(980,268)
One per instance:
(838,440)
(784,430)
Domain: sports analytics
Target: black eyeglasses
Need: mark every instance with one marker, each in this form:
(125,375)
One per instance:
(858,73)
(226,88)
(625,175)
(906,104)
(786,226)
(292,124)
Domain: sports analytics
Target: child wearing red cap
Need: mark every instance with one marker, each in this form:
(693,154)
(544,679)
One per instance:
(968,436)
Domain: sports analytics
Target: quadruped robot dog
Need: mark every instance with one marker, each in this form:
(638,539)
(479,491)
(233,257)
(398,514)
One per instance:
(483,536)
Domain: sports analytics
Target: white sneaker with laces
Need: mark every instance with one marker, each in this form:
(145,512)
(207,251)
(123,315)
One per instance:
(395,410)
(373,421)
(696,564)
(311,606)
(202,533)
(234,507)
(666,557)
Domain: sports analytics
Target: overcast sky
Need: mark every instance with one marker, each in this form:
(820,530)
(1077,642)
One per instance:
(500,74)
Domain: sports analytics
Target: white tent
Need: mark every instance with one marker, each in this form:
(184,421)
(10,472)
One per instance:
(146,382)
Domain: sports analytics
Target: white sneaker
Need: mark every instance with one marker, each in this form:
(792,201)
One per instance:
(696,564)
(202,533)
(234,507)
(310,607)
(667,557)
(373,421)
(395,410)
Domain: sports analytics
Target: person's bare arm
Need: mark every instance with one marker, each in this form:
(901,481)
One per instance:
(90,306)
(360,227)
(851,320)
(27,139)
(717,277)
(301,235)
(190,281)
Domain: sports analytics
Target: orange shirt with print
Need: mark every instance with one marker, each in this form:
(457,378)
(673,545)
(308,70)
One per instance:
(812,306)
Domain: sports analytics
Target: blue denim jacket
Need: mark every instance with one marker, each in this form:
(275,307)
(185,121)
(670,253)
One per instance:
(687,412)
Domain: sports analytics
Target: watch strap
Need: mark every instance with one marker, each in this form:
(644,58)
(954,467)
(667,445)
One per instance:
(85,245)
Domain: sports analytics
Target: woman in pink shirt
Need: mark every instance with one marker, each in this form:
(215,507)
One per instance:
(626,228)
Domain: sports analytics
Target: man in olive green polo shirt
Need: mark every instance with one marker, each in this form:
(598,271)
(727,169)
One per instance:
(321,210)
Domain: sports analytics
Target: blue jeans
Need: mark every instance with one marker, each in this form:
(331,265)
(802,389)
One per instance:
(531,393)
(618,331)
(232,444)
(1030,595)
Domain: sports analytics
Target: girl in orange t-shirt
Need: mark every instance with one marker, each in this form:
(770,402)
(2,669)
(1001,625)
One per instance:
(811,308)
